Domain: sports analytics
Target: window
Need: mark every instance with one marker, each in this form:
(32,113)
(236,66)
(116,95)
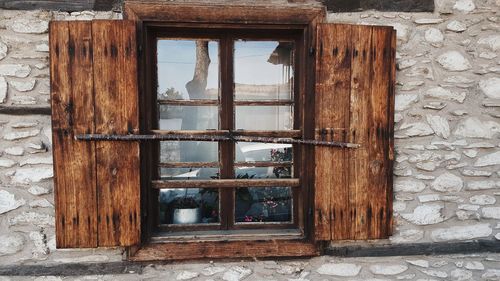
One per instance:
(220,132)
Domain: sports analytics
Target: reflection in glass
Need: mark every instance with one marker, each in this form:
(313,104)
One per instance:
(189,173)
(263,204)
(255,151)
(264,117)
(189,206)
(189,151)
(181,117)
(188,69)
(263,70)
(263,172)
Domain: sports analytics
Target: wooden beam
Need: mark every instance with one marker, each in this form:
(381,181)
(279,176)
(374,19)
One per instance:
(225,183)
(62,5)
(25,110)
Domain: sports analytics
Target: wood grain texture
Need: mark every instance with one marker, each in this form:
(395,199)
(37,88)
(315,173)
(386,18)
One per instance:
(73,113)
(62,5)
(116,98)
(225,249)
(355,92)
(333,66)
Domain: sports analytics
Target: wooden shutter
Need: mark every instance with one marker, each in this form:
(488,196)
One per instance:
(355,78)
(93,67)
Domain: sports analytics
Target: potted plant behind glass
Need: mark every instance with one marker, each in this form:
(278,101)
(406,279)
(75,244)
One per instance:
(186,210)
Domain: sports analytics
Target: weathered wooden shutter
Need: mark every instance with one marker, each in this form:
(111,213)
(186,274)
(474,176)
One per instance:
(355,77)
(93,66)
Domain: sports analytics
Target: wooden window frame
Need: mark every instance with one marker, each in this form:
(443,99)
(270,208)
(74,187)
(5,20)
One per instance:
(301,19)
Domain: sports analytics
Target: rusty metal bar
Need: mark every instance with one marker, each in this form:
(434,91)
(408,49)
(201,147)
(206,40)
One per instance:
(230,137)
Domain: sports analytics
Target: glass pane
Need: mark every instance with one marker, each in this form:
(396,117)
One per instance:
(189,206)
(263,172)
(189,173)
(189,151)
(255,151)
(264,117)
(263,70)
(188,69)
(181,117)
(263,204)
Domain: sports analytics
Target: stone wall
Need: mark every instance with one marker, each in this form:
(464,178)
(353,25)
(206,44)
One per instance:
(447,178)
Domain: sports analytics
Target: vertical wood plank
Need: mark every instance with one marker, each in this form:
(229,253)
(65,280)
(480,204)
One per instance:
(359,182)
(116,96)
(390,116)
(72,113)
(333,69)
(379,131)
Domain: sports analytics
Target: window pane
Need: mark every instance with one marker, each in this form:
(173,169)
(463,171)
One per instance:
(188,69)
(263,172)
(180,117)
(255,151)
(263,70)
(189,206)
(189,151)
(263,204)
(189,173)
(264,117)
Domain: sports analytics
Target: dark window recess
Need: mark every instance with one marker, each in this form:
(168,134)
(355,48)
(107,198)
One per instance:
(381,5)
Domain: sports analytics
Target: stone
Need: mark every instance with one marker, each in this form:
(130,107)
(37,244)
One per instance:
(491,213)
(481,185)
(490,87)
(418,129)
(491,103)
(480,145)
(425,214)
(428,21)
(388,269)
(434,273)
(186,275)
(23,125)
(467,232)
(403,102)
(407,236)
(29,25)
(3,90)
(339,269)
(11,243)
(456,26)
(474,265)
(427,166)
(471,153)
(23,100)
(433,36)
(454,61)
(404,64)
(32,218)
(23,86)
(236,273)
(465,6)
(429,198)
(491,274)
(40,249)
(487,55)
(21,135)
(445,94)
(447,182)
(36,161)
(38,190)
(15,151)
(439,125)
(8,202)
(420,263)
(40,203)
(43,47)
(16,70)
(3,50)
(473,127)
(48,278)
(411,85)
(497,236)
(402,31)
(475,173)
(435,105)
(7,163)
(482,199)
(29,175)
(212,270)
(492,42)
(412,186)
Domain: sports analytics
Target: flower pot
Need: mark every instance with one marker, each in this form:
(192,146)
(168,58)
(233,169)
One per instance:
(187,216)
